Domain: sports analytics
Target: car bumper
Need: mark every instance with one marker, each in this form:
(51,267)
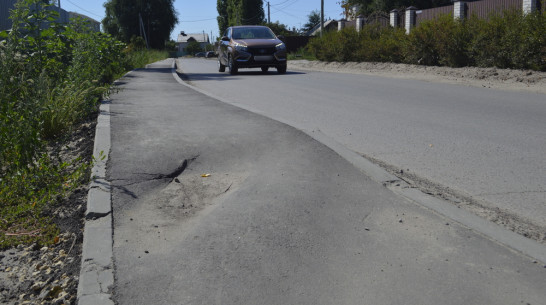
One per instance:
(248,60)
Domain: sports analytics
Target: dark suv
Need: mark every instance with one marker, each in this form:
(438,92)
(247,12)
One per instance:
(251,46)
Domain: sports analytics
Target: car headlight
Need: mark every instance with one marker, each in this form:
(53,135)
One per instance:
(240,47)
(280,47)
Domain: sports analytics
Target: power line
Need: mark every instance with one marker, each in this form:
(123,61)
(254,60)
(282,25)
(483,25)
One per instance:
(280,3)
(198,20)
(83,9)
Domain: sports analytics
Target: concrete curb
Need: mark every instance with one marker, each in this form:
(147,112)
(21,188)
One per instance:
(482,226)
(97,267)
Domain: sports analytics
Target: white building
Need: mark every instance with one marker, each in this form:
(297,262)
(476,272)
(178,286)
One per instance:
(184,39)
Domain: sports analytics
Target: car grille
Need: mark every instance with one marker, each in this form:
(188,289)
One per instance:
(261,51)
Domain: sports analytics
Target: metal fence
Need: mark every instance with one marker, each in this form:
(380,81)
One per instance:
(382,19)
(484,9)
(433,13)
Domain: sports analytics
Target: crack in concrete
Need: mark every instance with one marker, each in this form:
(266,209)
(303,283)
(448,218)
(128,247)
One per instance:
(460,199)
(175,173)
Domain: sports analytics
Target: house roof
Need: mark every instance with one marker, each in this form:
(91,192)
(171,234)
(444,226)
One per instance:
(199,37)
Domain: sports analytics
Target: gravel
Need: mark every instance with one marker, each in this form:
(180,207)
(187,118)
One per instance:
(506,79)
(33,274)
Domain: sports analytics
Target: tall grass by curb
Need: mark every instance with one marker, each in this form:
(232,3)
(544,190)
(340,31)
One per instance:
(53,77)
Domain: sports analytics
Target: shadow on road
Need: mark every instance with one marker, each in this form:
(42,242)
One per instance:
(218,76)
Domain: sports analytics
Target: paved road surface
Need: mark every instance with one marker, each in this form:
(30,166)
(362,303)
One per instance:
(281,219)
(484,145)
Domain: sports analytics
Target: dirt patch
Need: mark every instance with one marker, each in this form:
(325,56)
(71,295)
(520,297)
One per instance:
(506,79)
(30,274)
(496,215)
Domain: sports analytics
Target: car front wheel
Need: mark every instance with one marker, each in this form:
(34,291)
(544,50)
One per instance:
(232,66)
(281,69)
(221,67)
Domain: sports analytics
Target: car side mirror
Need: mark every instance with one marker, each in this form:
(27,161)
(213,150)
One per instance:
(225,38)
(281,37)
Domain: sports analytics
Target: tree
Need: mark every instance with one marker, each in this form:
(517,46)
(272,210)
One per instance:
(193,47)
(280,29)
(222,6)
(313,20)
(253,12)
(241,12)
(158,17)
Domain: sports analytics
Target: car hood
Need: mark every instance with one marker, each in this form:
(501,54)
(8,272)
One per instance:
(258,42)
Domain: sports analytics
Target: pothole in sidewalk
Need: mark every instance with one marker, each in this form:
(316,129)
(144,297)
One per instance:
(191,191)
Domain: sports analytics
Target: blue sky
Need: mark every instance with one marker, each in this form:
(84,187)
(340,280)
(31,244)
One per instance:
(198,16)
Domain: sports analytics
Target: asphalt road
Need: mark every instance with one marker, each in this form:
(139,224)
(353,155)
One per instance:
(483,145)
(214,204)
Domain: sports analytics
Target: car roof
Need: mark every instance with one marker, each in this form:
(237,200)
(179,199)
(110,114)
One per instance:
(249,26)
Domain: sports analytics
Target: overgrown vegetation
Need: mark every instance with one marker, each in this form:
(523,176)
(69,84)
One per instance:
(507,40)
(53,76)
(302,53)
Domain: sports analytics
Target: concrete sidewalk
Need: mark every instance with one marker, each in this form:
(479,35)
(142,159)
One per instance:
(213,204)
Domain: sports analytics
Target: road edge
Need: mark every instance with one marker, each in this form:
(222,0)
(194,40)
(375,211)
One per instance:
(473,222)
(97,267)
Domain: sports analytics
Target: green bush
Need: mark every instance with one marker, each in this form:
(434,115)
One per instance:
(372,43)
(510,40)
(442,41)
(53,76)
(507,40)
(139,59)
(193,47)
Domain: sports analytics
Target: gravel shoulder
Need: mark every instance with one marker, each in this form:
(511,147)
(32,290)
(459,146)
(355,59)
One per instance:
(506,79)
(32,274)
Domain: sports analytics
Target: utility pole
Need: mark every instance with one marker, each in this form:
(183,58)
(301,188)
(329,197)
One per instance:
(321,17)
(143,31)
(268,13)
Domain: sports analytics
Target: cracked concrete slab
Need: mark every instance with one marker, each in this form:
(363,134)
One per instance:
(98,200)
(96,273)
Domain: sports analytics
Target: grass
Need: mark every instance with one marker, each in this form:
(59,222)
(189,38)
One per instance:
(52,80)
(302,53)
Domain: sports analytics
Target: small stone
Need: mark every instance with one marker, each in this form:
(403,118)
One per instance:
(43,295)
(62,253)
(367,229)
(37,286)
(400,220)
(44,249)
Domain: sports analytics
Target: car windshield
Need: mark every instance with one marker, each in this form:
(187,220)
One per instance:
(253,33)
